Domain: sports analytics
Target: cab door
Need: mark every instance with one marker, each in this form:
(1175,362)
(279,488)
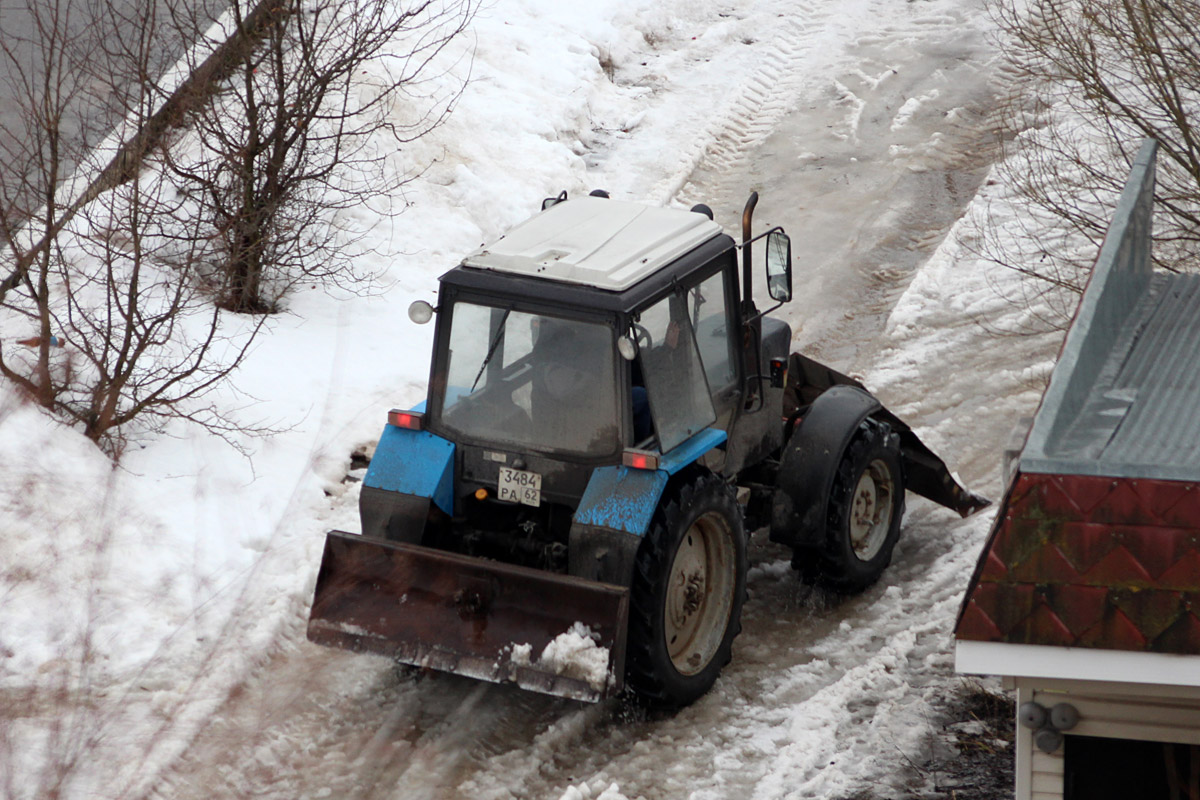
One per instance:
(688,357)
(678,395)
(710,304)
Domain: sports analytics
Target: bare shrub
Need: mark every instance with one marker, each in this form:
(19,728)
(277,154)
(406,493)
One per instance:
(308,127)
(113,324)
(1094,78)
(110,279)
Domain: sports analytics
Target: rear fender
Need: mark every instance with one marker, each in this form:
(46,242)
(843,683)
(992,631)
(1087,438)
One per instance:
(409,471)
(618,506)
(810,460)
(810,382)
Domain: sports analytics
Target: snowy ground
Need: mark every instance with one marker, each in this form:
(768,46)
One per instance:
(151,616)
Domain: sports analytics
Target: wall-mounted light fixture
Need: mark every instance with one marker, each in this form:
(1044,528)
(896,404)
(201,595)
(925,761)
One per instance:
(1048,726)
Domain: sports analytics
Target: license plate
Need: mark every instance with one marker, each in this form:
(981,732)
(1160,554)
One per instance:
(520,486)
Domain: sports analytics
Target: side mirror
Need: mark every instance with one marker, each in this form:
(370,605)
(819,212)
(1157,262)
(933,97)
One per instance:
(779,266)
(553,201)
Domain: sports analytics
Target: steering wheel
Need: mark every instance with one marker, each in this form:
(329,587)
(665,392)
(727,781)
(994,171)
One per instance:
(564,381)
(641,336)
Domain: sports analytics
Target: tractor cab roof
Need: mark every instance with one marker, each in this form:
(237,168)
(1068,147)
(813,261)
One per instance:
(607,254)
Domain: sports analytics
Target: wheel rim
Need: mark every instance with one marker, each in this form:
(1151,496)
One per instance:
(700,593)
(871,510)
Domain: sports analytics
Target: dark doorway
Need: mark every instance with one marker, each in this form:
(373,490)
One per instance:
(1123,769)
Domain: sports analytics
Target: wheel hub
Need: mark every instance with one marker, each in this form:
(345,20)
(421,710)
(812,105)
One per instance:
(863,513)
(693,594)
(871,510)
(698,599)
(687,589)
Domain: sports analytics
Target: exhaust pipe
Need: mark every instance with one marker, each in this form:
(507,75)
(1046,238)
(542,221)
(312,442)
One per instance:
(747,262)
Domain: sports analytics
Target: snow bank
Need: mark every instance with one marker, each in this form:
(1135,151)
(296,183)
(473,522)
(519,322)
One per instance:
(159,585)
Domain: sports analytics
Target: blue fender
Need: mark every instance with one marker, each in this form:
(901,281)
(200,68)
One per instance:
(617,508)
(416,463)
(621,498)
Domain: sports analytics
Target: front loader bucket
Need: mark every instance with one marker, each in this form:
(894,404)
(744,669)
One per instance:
(545,632)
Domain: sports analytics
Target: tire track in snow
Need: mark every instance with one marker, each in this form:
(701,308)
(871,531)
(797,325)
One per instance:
(794,64)
(758,103)
(914,133)
(821,691)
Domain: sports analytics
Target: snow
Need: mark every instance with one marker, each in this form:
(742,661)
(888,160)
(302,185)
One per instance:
(138,599)
(574,653)
(586,792)
(522,654)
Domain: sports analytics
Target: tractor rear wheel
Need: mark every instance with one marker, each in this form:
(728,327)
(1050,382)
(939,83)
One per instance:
(689,584)
(866,505)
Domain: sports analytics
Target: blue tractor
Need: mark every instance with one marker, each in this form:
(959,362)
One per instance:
(608,414)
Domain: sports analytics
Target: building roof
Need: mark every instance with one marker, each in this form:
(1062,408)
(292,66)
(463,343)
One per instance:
(1124,398)
(595,241)
(1138,413)
(1097,543)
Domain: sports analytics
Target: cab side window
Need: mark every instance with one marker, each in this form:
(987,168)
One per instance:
(678,396)
(707,310)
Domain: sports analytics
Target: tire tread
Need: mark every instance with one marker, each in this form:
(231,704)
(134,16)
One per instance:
(834,566)
(643,672)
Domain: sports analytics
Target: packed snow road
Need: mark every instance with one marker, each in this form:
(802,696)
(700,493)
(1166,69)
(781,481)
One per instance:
(867,128)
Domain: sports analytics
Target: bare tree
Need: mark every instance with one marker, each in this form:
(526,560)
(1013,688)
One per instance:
(229,186)
(1096,76)
(46,134)
(308,126)
(114,324)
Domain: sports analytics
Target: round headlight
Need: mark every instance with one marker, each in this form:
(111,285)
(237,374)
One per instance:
(420,312)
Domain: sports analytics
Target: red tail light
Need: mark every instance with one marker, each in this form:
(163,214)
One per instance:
(639,459)
(409,420)
(778,372)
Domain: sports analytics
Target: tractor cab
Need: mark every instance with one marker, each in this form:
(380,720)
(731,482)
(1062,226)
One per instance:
(558,351)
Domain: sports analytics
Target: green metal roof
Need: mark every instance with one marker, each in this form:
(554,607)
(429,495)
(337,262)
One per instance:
(1124,400)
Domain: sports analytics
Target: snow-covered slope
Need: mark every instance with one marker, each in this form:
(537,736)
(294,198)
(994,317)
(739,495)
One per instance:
(135,601)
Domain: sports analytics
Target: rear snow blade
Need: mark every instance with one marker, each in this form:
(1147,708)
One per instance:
(470,616)
(924,473)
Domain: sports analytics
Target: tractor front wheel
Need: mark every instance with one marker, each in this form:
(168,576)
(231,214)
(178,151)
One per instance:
(688,588)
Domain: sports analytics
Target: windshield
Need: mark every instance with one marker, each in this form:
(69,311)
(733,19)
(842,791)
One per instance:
(531,381)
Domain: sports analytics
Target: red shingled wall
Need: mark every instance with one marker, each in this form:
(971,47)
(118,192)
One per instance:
(1088,561)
